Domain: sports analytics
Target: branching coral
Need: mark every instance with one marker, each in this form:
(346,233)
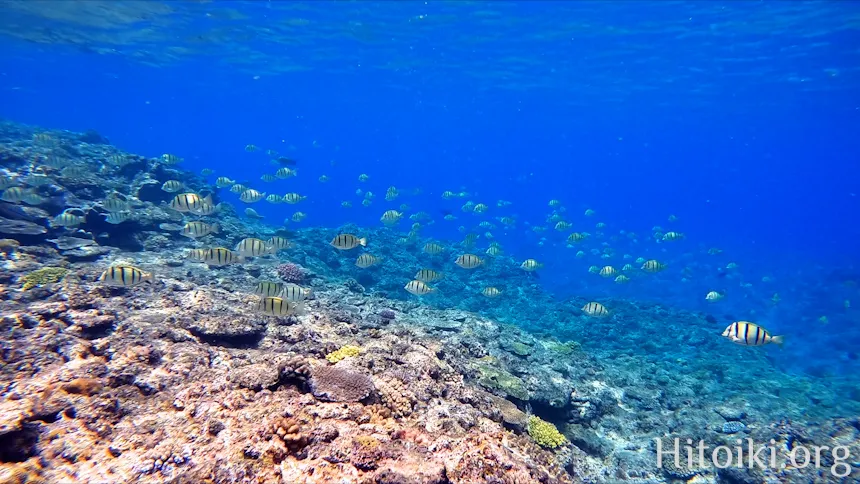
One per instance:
(343,352)
(545,433)
(45,275)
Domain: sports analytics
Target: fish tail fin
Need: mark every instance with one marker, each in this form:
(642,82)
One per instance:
(208,199)
(363,241)
(778,340)
(216,229)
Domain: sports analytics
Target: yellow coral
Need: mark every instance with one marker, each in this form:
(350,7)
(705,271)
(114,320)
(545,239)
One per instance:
(45,275)
(342,353)
(545,433)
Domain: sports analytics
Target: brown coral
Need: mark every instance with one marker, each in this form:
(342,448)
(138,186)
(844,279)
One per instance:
(395,396)
(290,432)
(335,384)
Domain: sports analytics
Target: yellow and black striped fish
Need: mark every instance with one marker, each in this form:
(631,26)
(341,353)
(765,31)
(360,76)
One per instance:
(268,288)
(252,247)
(427,275)
(595,310)
(220,256)
(125,276)
(293,198)
(223,181)
(67,219)
(188,202)
(117,218)
(172,186)
(170,159)
(115,204)
(199,229)
(418,288)
(197,254)
(391,217)
(276,306)
(469,261)
(251,196)
(433,248)
(294,293)
(347,241)
(653,266)
(279,243)
(530,265)
(491,292)
(608,271)
(365,260)
(750,334)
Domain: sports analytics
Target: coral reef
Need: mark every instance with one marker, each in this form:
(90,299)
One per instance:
(181,381)
(291,272)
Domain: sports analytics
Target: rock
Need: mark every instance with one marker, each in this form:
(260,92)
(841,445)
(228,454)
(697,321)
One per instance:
(254,377)
(731,413)
(235,332)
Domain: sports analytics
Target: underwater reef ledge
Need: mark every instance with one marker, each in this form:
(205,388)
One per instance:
(181,381)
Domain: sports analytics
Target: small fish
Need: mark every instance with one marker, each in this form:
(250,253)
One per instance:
(284,173)
(170,159)
(298,217)
(589,212)
(115,204)
(125,276)
(14,195)
(187,202)
(363,178)
(268,288)
(117,218)
(207,171)
(253,247)
(172,186)
(608,271)
(251,213)
(713,296)
(67,220)
(283,160)
(480,208)
(118,159)
(448,195)
(366,202)
(238,188)
(530,265)
(275,306)
(561,226)
(251,196)
(279,243)
(391,217)
(323,179)
(366,260)
(750,334)
(671,236)
(293,198)
(347,242)
(294,293)
(433,248)
(205,208)
(268,178)
(170,227)
(491,292)
(223,182)
(219,256)
(469,261)
(197,254)
(275,199)
(346,204)
(199,229)
(622,279)
(6,181)
(251,148)
(595,309)
(418,288)
(653,266)
(427,275)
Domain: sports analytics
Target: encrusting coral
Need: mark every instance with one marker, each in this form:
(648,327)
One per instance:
(45,275)
(545,433)
(343,352)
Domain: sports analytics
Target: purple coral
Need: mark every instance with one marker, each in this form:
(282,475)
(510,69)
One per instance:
(335,384)
(291,272)
(387,314)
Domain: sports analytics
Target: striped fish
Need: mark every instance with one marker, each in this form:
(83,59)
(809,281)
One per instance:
(293,198)
(279,243)
(433,248)
(347,241)
(418,288)
(391,217)
(608,271)
(199,229)
(14,195)
(530,265)
(251,196)
(653,266)
(205,208)
(427,275)
(197,254)
(238,188)
(67,219)
(469,261)
(275,306)
(115,204)
(365,260)
(252,247)
(491,292)
(219,256)
(170,159)
(223,181)
(125,276)
(268,288)
(188,202)
(172,186)
(750,334)
(595,310)
(268,178)
(294,293)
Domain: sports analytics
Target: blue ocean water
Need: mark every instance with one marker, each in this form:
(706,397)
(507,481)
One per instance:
(738,118)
